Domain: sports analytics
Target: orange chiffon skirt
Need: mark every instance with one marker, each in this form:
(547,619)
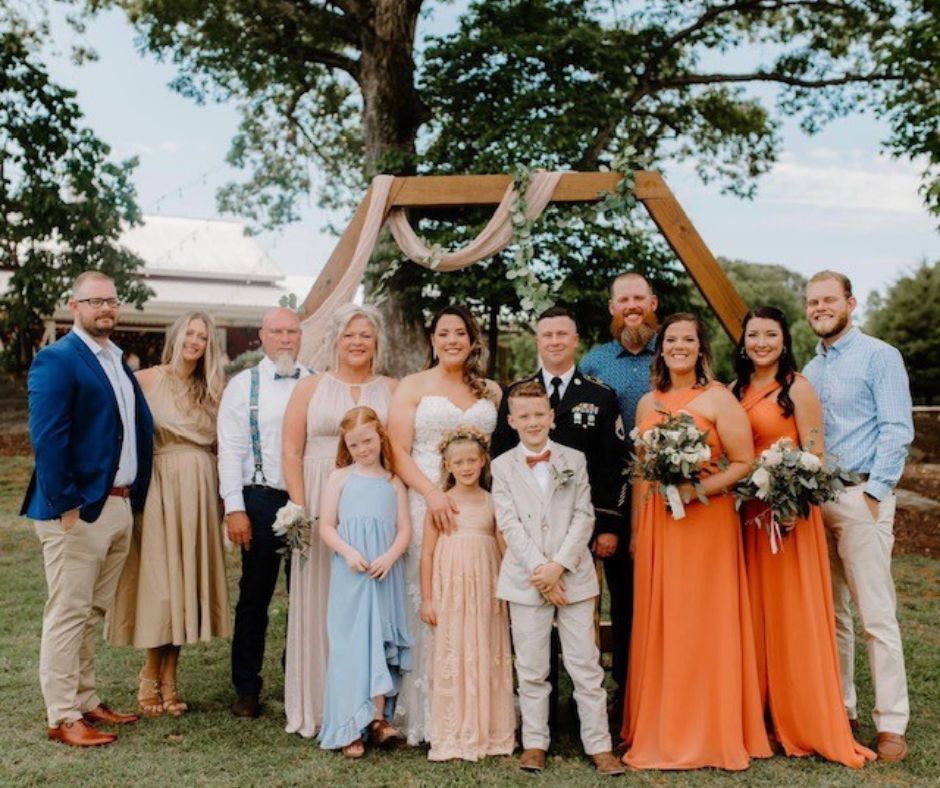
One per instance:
(794,631)
(693,697)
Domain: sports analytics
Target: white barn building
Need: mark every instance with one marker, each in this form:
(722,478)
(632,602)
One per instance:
(197,264)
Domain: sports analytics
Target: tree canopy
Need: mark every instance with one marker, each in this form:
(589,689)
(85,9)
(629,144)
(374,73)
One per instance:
(62,201)
(908,317)
(334,91)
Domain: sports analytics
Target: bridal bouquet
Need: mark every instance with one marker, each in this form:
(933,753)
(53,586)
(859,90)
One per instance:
(673,452)
(294,525)
(789,481)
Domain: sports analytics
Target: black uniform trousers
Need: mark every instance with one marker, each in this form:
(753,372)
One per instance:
(618,569)
(261,565)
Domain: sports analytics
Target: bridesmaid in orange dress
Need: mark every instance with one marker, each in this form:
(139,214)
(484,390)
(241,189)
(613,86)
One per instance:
(692,694)
(790,591)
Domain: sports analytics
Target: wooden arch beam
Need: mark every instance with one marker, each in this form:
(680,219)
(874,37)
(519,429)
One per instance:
(440,191)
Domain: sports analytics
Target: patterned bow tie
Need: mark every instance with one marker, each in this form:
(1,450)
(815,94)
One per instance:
(536,459)
(293,376)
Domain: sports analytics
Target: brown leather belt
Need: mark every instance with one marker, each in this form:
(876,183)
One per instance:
(120,492)
(862,478)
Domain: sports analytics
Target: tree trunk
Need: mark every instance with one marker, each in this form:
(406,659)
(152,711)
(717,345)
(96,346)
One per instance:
(392,114)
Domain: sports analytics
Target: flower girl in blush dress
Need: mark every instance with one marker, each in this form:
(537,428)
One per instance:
(364,519)
(471,676)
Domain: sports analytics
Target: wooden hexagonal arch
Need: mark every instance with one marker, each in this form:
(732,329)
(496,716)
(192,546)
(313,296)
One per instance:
(573,187)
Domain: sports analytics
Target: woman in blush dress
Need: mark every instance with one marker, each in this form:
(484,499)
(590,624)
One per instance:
(450,392)
(692,693)
(173,589)
(310,436)
(790,589)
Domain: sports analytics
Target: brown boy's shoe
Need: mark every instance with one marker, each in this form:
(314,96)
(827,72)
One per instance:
(103,715)
(607,764)
(532,760)
(891,747)
(384,734)
(79,733)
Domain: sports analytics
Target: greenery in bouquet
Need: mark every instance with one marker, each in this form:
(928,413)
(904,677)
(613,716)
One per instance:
(672,453)
(294,525)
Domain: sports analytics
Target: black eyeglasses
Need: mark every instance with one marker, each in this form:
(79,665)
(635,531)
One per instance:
(97,303)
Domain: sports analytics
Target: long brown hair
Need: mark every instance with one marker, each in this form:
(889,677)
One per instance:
(465,434)
(361,416)
(659,372)
(474,374)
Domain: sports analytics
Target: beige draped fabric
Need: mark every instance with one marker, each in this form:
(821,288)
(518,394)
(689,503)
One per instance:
(494,237)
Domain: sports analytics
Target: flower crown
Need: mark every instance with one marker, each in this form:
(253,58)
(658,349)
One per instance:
(464,433)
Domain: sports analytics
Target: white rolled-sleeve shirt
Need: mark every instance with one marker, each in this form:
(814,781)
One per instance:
(236,459)
(110,357)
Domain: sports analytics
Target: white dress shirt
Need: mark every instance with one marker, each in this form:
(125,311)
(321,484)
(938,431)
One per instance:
(563,386)
(543,474)
(110,359)
(236,461)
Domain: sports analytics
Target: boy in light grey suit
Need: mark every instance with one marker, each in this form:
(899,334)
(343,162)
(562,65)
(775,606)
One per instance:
(543,509)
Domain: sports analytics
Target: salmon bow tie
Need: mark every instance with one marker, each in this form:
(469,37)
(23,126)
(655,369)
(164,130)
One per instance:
(536,459)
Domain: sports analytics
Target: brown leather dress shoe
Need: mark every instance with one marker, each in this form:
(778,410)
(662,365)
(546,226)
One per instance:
(79,733)
(102,715)
(247,707)
(891,747)
(532,760)
(607,764)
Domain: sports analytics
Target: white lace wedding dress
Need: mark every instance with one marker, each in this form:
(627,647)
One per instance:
(434,416)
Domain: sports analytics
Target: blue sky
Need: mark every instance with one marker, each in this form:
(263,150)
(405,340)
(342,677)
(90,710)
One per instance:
(832,200)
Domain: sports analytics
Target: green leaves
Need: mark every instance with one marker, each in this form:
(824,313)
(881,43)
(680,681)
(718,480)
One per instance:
(63,203)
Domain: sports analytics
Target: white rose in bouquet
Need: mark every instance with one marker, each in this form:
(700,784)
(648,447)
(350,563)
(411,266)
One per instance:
(809,461)
(770,458)
(761,480)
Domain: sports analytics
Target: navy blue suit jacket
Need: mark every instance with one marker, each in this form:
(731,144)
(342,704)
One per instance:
(76,431)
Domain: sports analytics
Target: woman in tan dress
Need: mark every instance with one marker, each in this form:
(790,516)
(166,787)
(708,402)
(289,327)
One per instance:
(173,588)
(310,436)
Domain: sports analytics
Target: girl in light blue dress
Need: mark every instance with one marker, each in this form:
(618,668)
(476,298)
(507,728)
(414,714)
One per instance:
(364,520)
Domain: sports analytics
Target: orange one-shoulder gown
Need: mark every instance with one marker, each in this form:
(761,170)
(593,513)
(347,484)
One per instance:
(693,698)
(794,623)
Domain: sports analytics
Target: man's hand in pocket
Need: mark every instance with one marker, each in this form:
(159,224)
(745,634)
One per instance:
(69,519)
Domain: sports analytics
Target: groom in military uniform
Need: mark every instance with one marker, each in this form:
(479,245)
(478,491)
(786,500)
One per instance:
(587,418)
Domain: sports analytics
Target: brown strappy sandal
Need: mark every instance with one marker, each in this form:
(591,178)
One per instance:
(354,749)
(173,704)
(149,699)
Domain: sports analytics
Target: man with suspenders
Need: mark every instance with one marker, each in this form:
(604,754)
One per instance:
(252,487)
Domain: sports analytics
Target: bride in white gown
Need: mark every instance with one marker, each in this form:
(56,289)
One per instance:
(451,392)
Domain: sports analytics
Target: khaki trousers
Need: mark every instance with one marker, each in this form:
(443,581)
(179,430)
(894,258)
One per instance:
(83,566)
(531,637)
(860,557)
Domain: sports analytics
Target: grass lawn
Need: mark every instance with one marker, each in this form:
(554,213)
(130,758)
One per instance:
(209,747)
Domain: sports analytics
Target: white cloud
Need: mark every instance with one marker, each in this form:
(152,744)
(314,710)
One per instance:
(825,178)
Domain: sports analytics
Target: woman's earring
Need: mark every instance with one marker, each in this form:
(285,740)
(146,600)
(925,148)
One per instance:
(743,353)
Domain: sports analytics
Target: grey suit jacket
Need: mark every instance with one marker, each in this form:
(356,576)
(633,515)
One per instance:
(539,528)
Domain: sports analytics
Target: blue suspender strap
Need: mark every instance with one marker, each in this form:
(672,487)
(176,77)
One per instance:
(255,431)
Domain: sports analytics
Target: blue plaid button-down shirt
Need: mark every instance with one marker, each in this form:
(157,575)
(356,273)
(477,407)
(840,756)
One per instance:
(866,401)
(628,374)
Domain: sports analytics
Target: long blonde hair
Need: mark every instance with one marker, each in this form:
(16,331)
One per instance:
(465,434)
(208,379)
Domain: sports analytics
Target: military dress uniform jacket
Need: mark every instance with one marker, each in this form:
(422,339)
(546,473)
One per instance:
(587,419)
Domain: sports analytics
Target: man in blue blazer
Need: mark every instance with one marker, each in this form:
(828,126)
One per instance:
(92,435)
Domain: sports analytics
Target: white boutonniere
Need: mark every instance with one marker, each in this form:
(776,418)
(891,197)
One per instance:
(562,477)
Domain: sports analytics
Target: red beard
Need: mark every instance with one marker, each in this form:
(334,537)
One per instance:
(634,336)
